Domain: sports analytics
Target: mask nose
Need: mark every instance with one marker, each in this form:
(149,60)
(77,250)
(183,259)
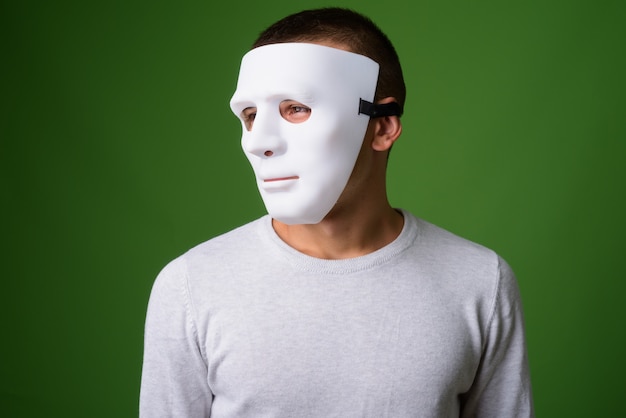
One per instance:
(263,146)
(264,139)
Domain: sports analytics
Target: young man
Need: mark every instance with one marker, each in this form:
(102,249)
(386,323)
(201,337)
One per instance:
(335,304)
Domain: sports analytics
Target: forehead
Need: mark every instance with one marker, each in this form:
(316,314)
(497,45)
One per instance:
(306,69)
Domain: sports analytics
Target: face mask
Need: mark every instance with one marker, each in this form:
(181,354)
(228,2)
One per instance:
(303,157)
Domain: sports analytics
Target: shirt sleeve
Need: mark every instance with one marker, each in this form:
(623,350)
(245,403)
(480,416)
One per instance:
(502,387)
(174,373)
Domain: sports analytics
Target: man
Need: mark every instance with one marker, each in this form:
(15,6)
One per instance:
(335,304)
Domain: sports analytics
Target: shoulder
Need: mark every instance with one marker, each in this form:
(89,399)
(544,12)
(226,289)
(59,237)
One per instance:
(234,238)
(226,247)
(438,243)
(457,261)
(215,257)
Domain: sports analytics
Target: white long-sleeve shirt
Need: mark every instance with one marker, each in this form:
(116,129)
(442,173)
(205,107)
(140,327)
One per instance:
(245,326)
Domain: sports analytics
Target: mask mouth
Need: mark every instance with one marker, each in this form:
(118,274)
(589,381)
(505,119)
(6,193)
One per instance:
(279,184)
(271,180)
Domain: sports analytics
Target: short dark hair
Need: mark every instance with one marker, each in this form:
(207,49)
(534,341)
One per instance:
(349,28)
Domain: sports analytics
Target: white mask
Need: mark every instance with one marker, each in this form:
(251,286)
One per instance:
(302,168)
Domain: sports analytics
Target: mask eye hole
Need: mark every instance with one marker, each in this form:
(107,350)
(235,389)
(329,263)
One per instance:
(294,112)
(248,115)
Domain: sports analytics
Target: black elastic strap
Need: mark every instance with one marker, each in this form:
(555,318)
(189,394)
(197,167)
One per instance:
(379,110)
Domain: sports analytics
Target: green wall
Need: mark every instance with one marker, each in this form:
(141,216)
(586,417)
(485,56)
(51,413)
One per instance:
(118,152)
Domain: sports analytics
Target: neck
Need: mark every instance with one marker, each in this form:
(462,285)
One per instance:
(344,232)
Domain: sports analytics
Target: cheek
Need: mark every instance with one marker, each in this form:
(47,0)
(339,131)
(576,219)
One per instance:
(252,159)
(321,132)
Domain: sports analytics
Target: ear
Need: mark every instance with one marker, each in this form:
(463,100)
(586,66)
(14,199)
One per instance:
(386,129)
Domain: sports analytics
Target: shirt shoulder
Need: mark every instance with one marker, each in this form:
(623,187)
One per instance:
(437,246)
(229,242)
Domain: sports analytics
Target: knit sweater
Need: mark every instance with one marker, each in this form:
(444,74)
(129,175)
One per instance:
(243,325)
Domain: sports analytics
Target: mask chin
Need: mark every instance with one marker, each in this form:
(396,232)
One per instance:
(302,168)
(294,215)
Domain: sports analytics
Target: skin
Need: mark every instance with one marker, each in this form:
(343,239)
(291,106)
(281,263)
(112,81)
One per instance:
(362,220)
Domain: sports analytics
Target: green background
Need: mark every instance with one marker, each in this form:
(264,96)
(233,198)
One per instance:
(119,152)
